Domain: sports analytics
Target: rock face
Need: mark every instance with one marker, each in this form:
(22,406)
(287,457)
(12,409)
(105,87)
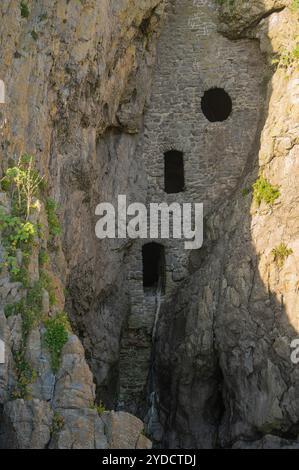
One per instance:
(224,344)
(124,431)
(99,90)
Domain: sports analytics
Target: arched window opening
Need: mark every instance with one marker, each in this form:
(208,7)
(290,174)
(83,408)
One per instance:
(153,258)
(216,105)
(174,172)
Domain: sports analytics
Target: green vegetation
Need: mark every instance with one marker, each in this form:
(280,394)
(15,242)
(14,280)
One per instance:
(245,192)
(53,221)
(287,58)
(24,10)
(56,336)
(43,258)
(264,191)
(57,423)
(19,235)
(47,284)
(32,308)
(25,376)
(12,309)
(43,17)
(230,3)
(16,231)
(24,184)
(34,35)
(100,408)
(295,5)
(281,253)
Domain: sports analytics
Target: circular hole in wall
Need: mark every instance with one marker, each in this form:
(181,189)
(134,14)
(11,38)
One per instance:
(216,105)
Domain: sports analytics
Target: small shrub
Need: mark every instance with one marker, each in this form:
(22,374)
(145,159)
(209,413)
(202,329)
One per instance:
(295,5)
(53,221)
(281,253)
(245,192)
(229,3)
(46,283)
(32,309)
(24,10)
(56,336)
(34,35)
(43,17)
(287,58)
(57,423)
(26,375)
(24,183)
(100,408)
(21,276)
(43,258)
(13,309)
(264,191)
(17,233)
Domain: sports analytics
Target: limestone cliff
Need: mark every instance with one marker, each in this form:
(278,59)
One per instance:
(98,91)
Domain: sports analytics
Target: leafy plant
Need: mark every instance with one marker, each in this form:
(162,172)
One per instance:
(287,58)
(294,5)
(46,283)
(57,423)
(16,234)
(245,192)
(24,10)
(56,336)
(34,35)
(43,17)
(53,221)
(24,183)
(13,309)
(26,375)
(16,231)
(281,253)
(32,308)
(264,191)
(100,407)
(230,3)
(43,257)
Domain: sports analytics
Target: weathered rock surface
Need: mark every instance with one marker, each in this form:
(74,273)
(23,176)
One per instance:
(124,431)
(87,62)
(268,442)
(26,424)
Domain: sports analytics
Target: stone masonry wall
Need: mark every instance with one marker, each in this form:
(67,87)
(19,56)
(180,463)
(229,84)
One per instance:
(192,57)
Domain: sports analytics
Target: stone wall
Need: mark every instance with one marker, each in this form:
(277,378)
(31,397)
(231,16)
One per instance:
(192,58)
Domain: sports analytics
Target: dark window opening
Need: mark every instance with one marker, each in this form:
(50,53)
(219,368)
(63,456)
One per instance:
(174,172)
(153,257)
(216,105)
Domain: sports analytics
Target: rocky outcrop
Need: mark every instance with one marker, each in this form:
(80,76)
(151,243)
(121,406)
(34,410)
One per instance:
(64,416)
(74,68)
(47,389)
(125,431)
(227,351)
(268,442)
